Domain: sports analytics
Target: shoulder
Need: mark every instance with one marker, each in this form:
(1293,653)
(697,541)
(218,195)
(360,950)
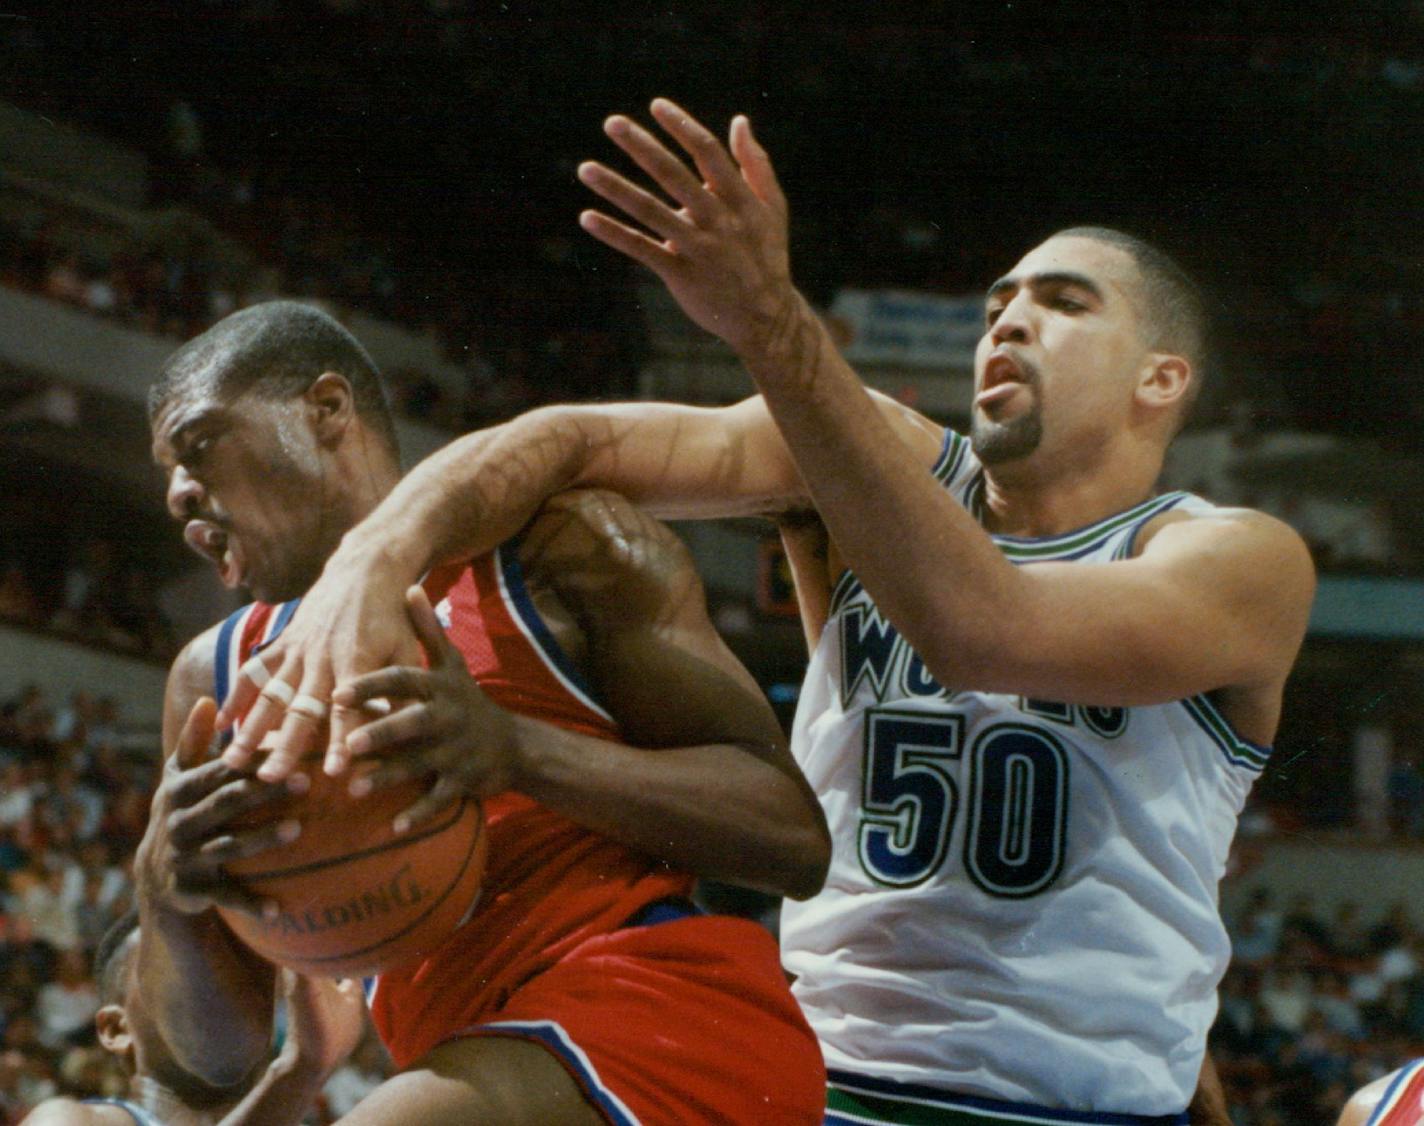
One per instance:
(191,674)
(189,679)
(192,669)
(70,1112)
(1240,537)
(1364,1101)
(606,558)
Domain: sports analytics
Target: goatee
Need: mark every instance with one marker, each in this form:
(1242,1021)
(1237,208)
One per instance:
(996,442)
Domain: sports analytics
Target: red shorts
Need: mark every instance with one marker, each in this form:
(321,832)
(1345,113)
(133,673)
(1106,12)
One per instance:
(677,1023)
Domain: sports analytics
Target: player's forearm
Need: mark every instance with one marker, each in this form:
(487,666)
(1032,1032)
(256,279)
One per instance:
(209,997)
(472,495)
(718,810)
(923,558)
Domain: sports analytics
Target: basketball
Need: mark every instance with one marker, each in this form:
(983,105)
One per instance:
(354,897)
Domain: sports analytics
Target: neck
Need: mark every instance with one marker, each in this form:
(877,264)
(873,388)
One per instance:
(367,473)
(1023,500)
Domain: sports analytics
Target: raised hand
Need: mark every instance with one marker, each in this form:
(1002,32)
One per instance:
(722,251)
(190,836)
(448,728)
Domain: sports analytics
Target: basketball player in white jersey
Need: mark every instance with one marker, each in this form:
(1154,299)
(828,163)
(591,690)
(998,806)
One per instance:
(1039,691)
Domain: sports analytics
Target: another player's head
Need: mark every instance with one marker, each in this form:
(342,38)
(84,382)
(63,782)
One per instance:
(277,436)
(114,972)
(1093,338)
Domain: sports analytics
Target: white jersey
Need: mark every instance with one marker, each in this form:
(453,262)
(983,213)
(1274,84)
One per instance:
(1022,902)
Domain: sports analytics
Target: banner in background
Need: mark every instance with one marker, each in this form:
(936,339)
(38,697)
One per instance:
(891,326)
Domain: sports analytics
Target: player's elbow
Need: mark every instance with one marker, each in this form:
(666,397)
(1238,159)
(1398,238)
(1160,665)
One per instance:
(808,859)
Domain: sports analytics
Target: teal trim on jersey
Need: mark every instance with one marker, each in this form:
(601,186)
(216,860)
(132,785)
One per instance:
(1240,752)
(952,455)
(863,1107)
(845,586)
(1084,540)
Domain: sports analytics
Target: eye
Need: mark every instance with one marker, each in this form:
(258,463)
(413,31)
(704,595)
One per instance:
(1067,304)
(196,450)
(991,314)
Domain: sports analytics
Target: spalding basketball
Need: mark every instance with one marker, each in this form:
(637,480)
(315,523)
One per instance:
(354,897)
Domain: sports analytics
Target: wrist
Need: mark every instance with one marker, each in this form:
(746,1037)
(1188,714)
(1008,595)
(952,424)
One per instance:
(780,334)
(523,755)
(377,552)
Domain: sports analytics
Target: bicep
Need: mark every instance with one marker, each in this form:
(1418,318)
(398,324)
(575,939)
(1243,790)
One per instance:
(652,653)
(1210,603)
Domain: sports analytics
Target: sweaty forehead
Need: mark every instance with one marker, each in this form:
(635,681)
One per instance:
(188,405)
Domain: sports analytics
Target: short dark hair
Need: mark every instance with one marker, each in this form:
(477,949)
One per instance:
(277,348)
(111,960)
(1176,307)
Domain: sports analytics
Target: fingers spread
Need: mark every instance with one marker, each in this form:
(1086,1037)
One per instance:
(250,680)
(626,240)
(192,824)
(756,165)
(296,738)
(410,724)
(267,711)
(639,204)
(717,168)
(667,171)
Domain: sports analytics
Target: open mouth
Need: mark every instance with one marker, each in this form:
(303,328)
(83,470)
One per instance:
(1003,376)
(214,544)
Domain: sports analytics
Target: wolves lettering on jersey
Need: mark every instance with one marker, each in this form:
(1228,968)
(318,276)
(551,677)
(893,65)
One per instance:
(1001,861)
(549,884)
(1402,1103)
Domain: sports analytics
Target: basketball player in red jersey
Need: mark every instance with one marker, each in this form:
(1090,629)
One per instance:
(621,746)
(1395,1100)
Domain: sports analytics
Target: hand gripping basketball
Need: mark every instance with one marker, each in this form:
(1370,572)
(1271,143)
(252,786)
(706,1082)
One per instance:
(194,825)
(448,728)
(351,896)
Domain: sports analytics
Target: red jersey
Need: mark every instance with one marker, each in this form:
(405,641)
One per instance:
(1402,1103)
(549,884)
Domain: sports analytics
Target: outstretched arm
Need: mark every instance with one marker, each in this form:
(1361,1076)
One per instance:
(466,499)
(1208,604)
(706,784)
(469,497)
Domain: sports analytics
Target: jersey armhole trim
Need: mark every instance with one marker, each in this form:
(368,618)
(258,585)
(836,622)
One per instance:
(510,573)
(1387,1104)
(1238,751)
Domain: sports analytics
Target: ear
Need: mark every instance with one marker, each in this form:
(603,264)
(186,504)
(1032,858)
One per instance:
(1165,381)
(114,1032)
(331,406)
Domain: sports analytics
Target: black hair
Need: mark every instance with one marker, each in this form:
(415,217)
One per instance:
(1176,308)
(111,960)
(277,348)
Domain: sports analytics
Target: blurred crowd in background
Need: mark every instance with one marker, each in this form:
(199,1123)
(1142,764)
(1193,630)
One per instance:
(414,160)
